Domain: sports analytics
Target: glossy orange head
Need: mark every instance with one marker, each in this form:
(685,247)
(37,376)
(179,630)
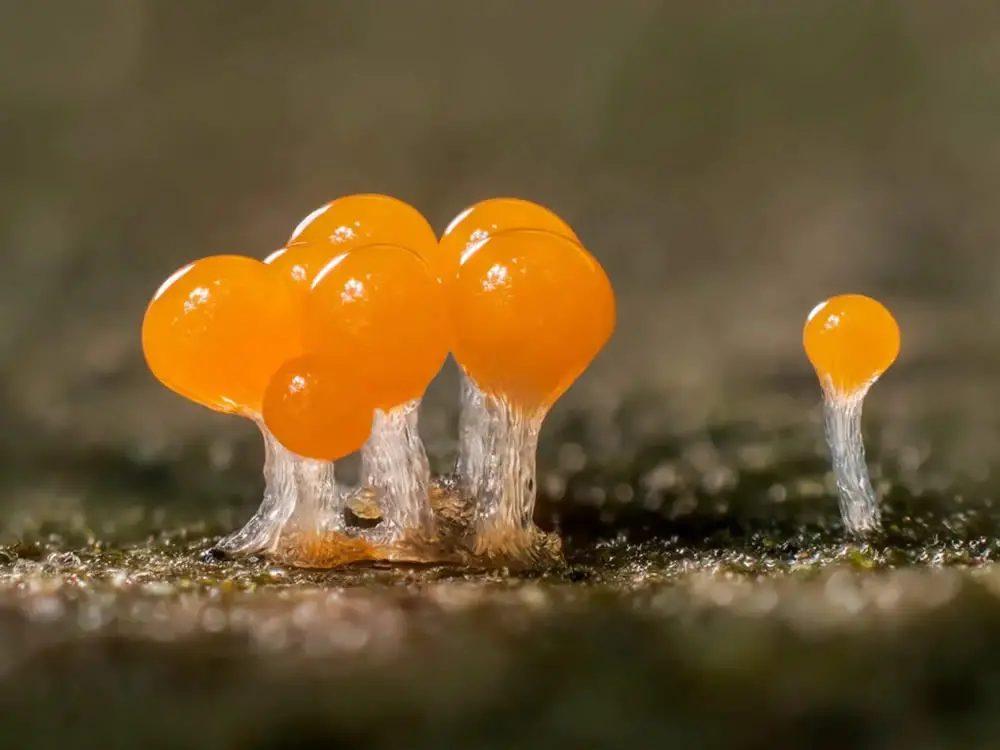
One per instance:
(378,308)
(532,310)
(366,219)
(486,218)
(217,329)
(313,409)
(850,341)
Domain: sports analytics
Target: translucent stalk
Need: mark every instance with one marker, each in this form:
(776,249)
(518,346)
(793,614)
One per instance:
(260,534)
(858,503)
(505,493)
(394,463)
(473,423)
(319,505)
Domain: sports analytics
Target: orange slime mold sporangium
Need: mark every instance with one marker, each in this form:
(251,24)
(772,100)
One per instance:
(532,309)
(488,217)
(850,341)
(471,227)
(313,409)
(379,309)
(217,330)
(365,219)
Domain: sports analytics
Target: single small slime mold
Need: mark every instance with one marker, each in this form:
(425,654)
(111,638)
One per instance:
(466,230)
(215,332)
(850,341)
(378,310)
(531,311)
(308,410)
(349,223)
(312,408)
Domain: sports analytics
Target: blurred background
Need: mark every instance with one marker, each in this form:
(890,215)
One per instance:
(730,164)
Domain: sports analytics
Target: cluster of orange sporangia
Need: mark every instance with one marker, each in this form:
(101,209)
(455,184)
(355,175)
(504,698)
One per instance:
(360,308)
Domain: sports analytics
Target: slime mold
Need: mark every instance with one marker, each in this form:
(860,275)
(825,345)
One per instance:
(380,305)
(329,345)
(216,332)
(316,246)
(470,227)
(850,341)
(532,309)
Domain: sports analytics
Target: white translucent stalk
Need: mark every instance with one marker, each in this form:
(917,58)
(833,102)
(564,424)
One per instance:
(505,493)
(394,463)
(319,504)
(301,500)
(260,534)
(858,503)
(473,424)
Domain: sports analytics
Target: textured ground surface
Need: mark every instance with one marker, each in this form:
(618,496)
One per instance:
(710,600)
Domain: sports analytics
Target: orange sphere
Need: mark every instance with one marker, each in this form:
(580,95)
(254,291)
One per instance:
(532,310)
(486,218)
(312,408)
(379,309)
(217,330)
(850,341)
(367,219)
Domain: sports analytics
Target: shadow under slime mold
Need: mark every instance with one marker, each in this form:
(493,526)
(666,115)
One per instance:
(329,344)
